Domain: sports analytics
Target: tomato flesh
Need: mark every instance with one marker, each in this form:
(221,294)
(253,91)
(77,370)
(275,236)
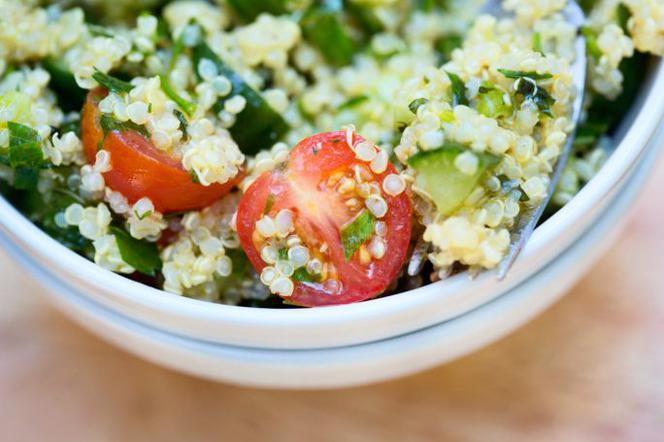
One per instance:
(140,170)
(320,214)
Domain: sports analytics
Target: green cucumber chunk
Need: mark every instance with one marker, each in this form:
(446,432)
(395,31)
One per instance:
(250,9)
(440,178)
(258,126)
(70,95)
(323,28)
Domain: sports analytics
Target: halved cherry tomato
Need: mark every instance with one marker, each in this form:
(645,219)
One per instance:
(309,188)
(140,170)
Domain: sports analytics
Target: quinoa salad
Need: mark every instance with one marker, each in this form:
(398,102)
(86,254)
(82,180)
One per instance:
(275,153)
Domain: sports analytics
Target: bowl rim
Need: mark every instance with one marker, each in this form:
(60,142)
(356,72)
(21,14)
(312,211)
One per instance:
(127,291)
(356,364)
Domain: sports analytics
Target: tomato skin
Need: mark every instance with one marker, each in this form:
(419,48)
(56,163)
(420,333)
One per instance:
(140,170)
(359,282)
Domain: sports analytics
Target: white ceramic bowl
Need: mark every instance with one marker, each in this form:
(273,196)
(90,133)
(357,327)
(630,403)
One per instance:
(359,364)
(350,324)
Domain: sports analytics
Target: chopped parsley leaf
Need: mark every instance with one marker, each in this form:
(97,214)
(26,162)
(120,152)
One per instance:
(415,104)
(24,155)
(109,124)
(111,83)
(269,203)
(355,233)
(524,74)
(458,90)
(302,275)
(140,254)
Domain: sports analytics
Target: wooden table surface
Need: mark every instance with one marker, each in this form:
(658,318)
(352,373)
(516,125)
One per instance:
(590,368)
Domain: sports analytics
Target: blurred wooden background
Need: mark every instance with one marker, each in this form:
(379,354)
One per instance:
(591,368)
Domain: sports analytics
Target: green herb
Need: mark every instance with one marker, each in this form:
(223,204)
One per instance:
(530,90)
(269,203)
(415,104)
(365,15)
(589,132)
(355,233)
(143,216)
(524,74)
(25,155)
(194,177)
(140,254)
(611,112)
(537,43)
(430,5)
(592,47)
(111,83)
(446,45)
(458,90)
(352,102)
(99,31)
(283,254)
(187,106)
(42,208)
(184,124)
(623,14)
(72,126)
(109,124)
(250,9)
(302,275)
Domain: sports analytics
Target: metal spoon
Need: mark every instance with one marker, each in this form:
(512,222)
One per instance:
(530,216)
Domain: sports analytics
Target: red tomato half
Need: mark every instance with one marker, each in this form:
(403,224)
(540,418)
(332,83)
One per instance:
(309,186)
(140,170)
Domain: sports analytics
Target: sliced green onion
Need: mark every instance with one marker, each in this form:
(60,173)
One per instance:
(187,106)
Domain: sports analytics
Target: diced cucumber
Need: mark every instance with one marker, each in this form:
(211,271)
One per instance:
(323,28)
(446,45)
(70,96)
(258,126)
(439,177)
(19,103)
(491,102)
(365,16)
